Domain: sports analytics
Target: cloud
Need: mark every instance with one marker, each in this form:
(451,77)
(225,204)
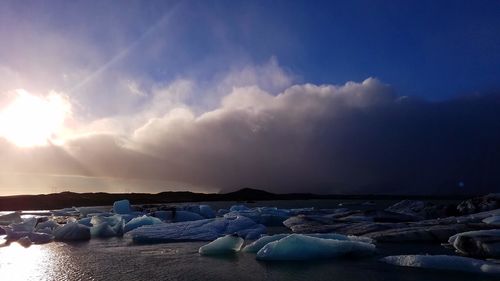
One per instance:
(351,138)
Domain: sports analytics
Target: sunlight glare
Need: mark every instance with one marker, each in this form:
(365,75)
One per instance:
(31,120)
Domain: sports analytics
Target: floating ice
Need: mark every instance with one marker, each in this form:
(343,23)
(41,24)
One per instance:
(106,226)
(28,225)
(66,212)
(207,211)
(14,217)
(444,262)
(200,230)
(222,245)
(85,221)
(85,211)
(303,247)
(72,231)
(122,207)
(270,216)
(238,208)
(479,243)
(40,238)
(178,216)
(50,224)
(261,242)
(493,220)
(141,221)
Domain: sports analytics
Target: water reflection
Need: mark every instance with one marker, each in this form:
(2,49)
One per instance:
(19,263)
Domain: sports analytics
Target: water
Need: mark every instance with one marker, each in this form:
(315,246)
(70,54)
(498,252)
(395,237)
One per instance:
(118,259)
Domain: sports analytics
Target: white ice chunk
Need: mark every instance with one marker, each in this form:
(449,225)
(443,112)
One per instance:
(303,247)
(444,262)
(72,231)
(222,245)
(141,221)
(122,207)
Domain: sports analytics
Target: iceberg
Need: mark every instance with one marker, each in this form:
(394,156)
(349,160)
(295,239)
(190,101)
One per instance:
(141,221)
(444,262)
(223,245)
(72,231)
(200,230)
(122,207)
(303,247)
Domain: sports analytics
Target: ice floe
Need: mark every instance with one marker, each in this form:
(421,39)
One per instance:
(141,221)
(223,245)
(303,247)
(200,230)
(72,231)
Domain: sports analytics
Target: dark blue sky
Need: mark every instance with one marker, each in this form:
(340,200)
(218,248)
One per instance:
(431,49)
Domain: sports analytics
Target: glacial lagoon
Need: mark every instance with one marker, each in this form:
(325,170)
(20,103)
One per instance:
(118,258)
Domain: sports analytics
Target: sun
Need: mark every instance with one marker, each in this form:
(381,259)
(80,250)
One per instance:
(31,120)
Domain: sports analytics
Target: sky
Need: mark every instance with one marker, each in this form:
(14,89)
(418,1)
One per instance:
(348,97)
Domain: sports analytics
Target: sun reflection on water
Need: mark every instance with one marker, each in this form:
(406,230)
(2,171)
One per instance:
(19,263)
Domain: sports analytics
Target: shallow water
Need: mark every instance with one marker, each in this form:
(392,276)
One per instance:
(118,259)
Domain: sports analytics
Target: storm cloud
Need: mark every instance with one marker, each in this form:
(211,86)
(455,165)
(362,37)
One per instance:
(352,138)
